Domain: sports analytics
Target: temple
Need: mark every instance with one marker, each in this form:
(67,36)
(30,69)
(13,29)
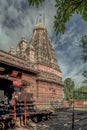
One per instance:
(35,62)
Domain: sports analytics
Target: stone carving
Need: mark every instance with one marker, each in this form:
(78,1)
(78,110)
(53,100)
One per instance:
(11,51)
(39,49)
(21,48)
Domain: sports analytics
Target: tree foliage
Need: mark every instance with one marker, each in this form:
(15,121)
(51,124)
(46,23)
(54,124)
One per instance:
(81,93)
(84,53)
(74,93)
(69,88)
(84,47)
(35,2)
(64,10)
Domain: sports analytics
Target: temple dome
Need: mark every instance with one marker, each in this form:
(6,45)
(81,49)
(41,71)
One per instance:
(40,25)
(23,43)
(21,47)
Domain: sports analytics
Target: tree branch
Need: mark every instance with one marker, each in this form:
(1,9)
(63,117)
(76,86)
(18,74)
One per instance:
(78,3)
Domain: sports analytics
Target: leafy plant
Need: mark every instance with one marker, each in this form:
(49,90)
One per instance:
(84,53)
(64,10)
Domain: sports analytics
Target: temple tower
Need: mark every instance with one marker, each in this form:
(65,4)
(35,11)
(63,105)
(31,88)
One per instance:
(44,52)
(47,86)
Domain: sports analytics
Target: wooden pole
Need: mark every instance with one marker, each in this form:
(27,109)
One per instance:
(24,108)
(73,118)
(14,108)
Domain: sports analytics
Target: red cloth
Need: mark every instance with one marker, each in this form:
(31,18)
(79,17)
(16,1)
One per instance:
(16,83)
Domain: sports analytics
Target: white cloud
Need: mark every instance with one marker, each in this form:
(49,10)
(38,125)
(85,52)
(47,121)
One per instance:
(23,21)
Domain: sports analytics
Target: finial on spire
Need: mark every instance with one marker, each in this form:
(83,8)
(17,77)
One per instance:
(44,18)
(41,18)
(23,38)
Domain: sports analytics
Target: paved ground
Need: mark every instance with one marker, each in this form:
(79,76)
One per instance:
(61,121)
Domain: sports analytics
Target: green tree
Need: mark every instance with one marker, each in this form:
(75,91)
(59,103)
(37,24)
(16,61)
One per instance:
(84,47)
(64,10)
(81,93)
(69,88)
(84,53)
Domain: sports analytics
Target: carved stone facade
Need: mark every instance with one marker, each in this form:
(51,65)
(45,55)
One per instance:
(38,57)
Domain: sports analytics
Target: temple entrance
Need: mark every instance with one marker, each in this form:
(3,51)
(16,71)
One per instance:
(6,88)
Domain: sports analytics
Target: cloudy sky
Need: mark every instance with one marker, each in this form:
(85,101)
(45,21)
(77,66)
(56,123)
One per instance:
(18,19)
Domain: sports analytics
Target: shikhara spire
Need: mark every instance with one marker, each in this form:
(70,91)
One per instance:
(39,49)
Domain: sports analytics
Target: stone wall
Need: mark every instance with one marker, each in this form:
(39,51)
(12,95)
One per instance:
(45,94)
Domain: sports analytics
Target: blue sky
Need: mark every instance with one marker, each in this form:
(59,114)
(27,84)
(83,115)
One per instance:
(18,19)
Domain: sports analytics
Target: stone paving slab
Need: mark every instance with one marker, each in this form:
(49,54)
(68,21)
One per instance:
(62,121)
